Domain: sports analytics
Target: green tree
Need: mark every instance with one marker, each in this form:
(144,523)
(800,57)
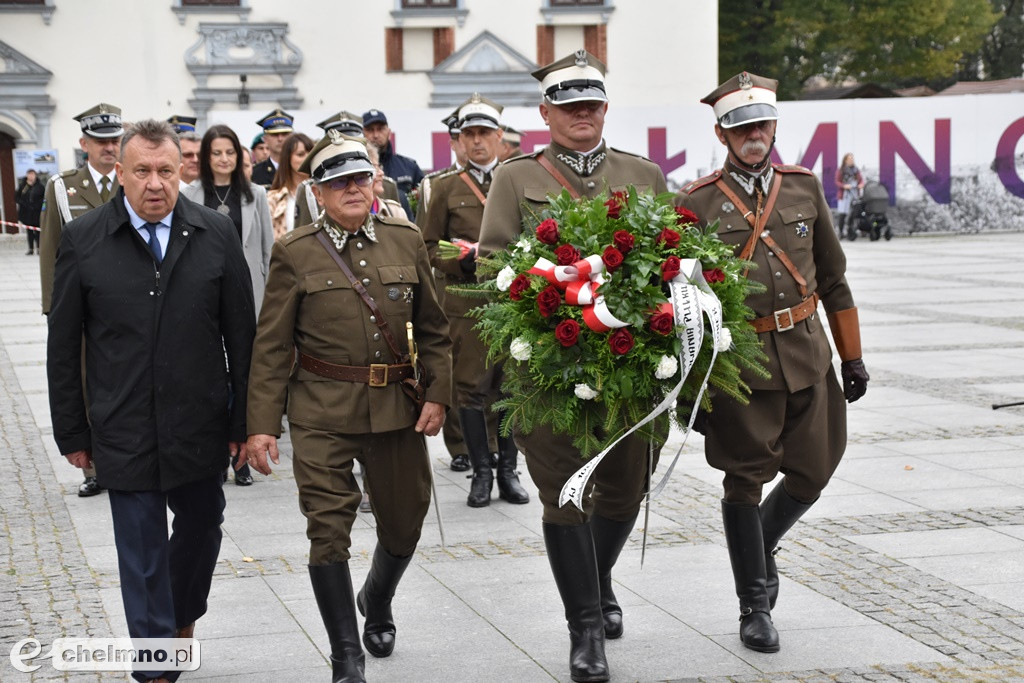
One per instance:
(1002,53)
(885,41)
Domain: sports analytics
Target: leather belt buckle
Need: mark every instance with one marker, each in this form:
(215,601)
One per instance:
(378,375)
(787,314)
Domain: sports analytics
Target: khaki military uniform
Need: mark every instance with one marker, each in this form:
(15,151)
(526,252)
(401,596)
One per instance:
(796,420)
(311,308)
(81,195)
(522,184)
(307,210)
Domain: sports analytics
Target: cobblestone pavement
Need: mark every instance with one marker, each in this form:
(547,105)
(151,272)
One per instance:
(908,569)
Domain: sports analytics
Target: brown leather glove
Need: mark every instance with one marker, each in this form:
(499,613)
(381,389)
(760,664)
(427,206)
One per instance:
(855,379)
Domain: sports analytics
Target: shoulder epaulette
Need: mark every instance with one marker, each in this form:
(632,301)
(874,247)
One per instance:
(531,155)
(792,168)
(433,175)
(397,222)
(68,173)
(632,154)
(701,182)
(302,231)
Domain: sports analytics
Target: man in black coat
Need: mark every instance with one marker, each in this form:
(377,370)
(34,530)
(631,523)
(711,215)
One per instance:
(404,170)
(157,289)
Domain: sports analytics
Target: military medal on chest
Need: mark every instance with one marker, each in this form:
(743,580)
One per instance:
(802,229)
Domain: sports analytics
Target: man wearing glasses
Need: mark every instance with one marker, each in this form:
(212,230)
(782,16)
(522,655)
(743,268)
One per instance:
(346,400)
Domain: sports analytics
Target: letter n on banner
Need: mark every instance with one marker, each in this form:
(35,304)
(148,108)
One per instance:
(891,142)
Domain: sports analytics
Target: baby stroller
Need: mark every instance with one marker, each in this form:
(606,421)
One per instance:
(867,213)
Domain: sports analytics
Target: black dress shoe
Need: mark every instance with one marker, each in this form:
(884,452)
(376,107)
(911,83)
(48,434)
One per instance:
(89,487)
(364,504)
(243,479)
(460,463)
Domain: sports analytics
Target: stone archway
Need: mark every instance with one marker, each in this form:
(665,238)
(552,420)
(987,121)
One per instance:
(8,182)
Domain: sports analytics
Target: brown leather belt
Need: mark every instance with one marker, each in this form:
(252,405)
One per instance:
(786,318)
(376,375)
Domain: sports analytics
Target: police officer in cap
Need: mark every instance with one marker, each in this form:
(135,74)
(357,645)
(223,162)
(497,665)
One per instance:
(346,400)
(404,170)
(582,546)
(277,125)
(185,127)
(70,194)
(777,217)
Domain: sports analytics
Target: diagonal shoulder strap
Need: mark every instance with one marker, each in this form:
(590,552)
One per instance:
(756,220)
(476,190)
(382,322)
(556,174)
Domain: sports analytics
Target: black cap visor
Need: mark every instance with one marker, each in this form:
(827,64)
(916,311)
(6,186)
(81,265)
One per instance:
(580,90)
(346,163)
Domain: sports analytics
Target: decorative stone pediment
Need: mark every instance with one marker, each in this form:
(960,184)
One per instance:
(487,65)
(13,62)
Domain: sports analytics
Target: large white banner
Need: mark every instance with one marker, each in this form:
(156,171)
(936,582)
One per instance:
(948,163)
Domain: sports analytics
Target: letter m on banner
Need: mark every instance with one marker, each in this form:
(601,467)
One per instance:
(892,142)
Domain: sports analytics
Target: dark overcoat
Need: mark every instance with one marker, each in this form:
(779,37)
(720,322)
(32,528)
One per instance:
(167,347)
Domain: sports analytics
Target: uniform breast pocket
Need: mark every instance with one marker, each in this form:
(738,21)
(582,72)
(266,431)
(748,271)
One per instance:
(733,229)
(798,226)
(537,196)
(399,283)
(329,296)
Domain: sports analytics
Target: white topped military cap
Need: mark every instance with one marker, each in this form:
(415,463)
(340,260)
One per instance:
(479,111)
(744,98)
(579,77)
(511,135)
(336,155)
(102,121)
(344,121)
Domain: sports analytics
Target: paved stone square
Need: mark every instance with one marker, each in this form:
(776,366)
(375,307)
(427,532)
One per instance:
(910,567)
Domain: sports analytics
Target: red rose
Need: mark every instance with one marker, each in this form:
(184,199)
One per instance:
(623,241)
(548,301)
(567,254)
(567,332)
(612,258)
(685,216)
(662,322)
(621,341)
(714,275)
(668,237)
(615,203)
(547,231)
(518,287)
(670,268)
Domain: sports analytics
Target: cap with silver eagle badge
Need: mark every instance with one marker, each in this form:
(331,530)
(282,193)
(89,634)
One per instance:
(744,98)
(345,122)
(481,112)
(336,155)
(102,121)
(579,77)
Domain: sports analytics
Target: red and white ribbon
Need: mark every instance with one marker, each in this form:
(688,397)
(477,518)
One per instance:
(692,302)
(15,224)
(580,282)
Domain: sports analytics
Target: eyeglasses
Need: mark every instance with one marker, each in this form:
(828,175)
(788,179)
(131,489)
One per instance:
(360,179)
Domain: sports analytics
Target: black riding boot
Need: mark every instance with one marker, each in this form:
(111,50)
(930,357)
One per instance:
(746,552)
(609,538)
(332,587)
(779,512)
(474,433)
(574,566)
(509,487)
(374,601)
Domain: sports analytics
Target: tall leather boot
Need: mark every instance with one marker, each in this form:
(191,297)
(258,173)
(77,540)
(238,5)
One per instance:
(374,601)
(332,587)
(509,487)
(574,566)
(474,434)
(609,538)
(779,512)
(746,552)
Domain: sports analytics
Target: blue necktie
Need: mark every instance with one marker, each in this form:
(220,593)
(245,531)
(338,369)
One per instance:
(154,243)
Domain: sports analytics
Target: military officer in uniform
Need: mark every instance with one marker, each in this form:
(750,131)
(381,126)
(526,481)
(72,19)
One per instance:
(185,127)
(454,214)
(582,546)
(70,194)
(345,397)
(777,217)
(277,125)
(511,141)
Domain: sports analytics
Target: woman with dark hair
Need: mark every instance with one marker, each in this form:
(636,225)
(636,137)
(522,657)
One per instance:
(282,193)
(222,186)
(849,183)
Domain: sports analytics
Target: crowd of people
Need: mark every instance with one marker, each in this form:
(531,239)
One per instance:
(201,296)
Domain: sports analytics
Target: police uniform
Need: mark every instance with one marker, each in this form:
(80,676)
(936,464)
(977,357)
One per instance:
(277,121)
(68,195)
(795,422)
(617,486)
(312,312)
(182,124)
(403,170)
(455,213)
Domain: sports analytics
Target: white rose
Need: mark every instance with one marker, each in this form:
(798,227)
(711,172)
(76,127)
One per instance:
(505,278)
(585,392)
(725,341)
(524,245)
(520,349)
(668,366)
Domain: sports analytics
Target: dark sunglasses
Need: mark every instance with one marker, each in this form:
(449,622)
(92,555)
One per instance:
(360,179)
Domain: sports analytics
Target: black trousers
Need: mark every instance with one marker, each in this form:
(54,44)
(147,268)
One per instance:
(165,582)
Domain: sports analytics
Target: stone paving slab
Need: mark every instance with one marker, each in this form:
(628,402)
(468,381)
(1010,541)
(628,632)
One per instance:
(895,575)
